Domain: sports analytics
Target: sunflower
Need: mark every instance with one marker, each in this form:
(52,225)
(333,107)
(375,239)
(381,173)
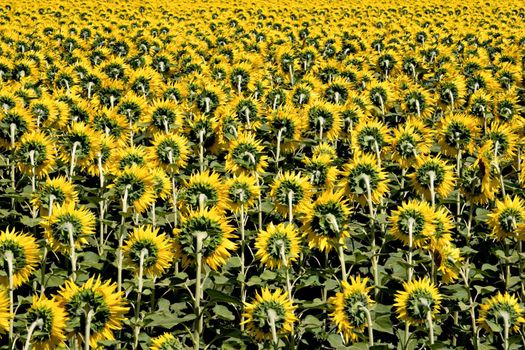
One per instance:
(413,218)
(321,171)
(210,99)
(380,96)
(497,308)
(133,108)
(108,308)
(50,332)
(448,260)
(242,190)
(5,315)
(67,221)
(216,235)
(326,223)
(247,112)
(507,107)
(103,159)
(501,141)
(290,188)
(480,104)
(169,151)
(203,190)
(47,113)
(15,123)
(245,155)
(167,341)
(57,191)
(452,91)
(145,81)
(433,172)
(25,256)
(324,148)
(136,185)
(277,246)
(370,136)
(508,218)
(108,122)
(268,308)
(417,102)
(161,183)
(324,120)
(128,156)
(35,154)
(203,129)
(80,142)
(155,250)
(405,144)
(286,127)
(363,174)
(418,298)
(458,132)
(348,306)
(478,182)
(164,116)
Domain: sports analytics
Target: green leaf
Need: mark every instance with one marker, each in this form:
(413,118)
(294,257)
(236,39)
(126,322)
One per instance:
(218,296)
(222,311)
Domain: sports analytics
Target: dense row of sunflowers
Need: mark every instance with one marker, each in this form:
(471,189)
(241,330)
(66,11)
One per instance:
(233,175)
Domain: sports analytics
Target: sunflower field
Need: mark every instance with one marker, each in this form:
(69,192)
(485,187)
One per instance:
(262,174)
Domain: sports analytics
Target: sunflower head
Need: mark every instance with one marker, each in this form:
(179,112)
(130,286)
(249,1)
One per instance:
(508,218)
(169,151)
(290,189)
(135,184)
(245,155)
(54,191)
(203,190)
(364,180)
(418,299)
(433,173)
(269,307)
(413,223)
(242,190)
(277,246)
(458,132)
(499,308)
(51,321)
(154,250)
(23,252)
(348,307)
(166,341)
(35,154)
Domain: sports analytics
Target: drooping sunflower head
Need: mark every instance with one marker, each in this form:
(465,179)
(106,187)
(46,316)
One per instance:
(164,116)
(326,223)
(500,142)
(108,122)
(448,260)
(269,307)
(15,123)
(370,136)
(161,183)
(508,218)
(51,321)
(506,108)
(245,155)
(499,308)
(290,190)
(102,162)
(242,190)
(134,109)
(5,315)
(363,178)
(22,251)
(129,156)
(405,144)
(277,246)
(458,132)
(135,184)
(286,126)
(209,229)
(203,190)
(413,223)
(155,251)
(167,341)
(53,191)
(324,120)
(417,102)
(418,299)
(35,154)
(324,148)
(68,223)
(169,151)
(479,183)
(98,300)
(348,306)
(433,173)
(452,91)
(321,171)
(80,142)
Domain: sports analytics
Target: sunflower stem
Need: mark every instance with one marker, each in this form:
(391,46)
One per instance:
(278,151)
(120,255)
(259,202)
(430,327)
(153,215)
(272,315)
(87,334)
(458,175)
(174,199)
(101,203)
(432,179)
(72,250)
(290,207)
(290,71)
(506,326)
(33,178)
(369,325)
(199,236)
(9,258)
(375,259)
(201,150)
(507,265)
(411,223)
(73,156)
(464,272)
(243,270)
(282,250)
(12,130)
(37,323)
(143,255)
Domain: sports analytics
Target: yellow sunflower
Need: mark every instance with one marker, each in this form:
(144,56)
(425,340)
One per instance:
(433,173)
(326,221)
(242,190)
(203,189)
(418,298)
(321,171)
(245,155)
(100,301)
(277,246)
(348,308)
(67,221)
(216,234)
(135,184)
(161,183)
(324,120)
(24,252)
(35,154)
(169,151)
(56,191)
(269,308)
(167,341)
(406,143)
(458,132)
(497,308)
(156,251)
(15,122)
(508,218)
(448,260)
(79,145)
(290,188)
(5,315)
(50,319)
(413,220)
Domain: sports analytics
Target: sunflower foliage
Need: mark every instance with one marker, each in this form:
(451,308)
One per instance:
(262,175)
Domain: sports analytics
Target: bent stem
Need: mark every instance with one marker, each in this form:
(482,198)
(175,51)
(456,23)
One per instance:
(272,315)
(411,223)
(201,149)
(73,159)
(72,250)
(87,333)
(290,207)
(280,243)
(278,151)
(199,236)
(505,316)
(243,269)
(37,323)
(369,321)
